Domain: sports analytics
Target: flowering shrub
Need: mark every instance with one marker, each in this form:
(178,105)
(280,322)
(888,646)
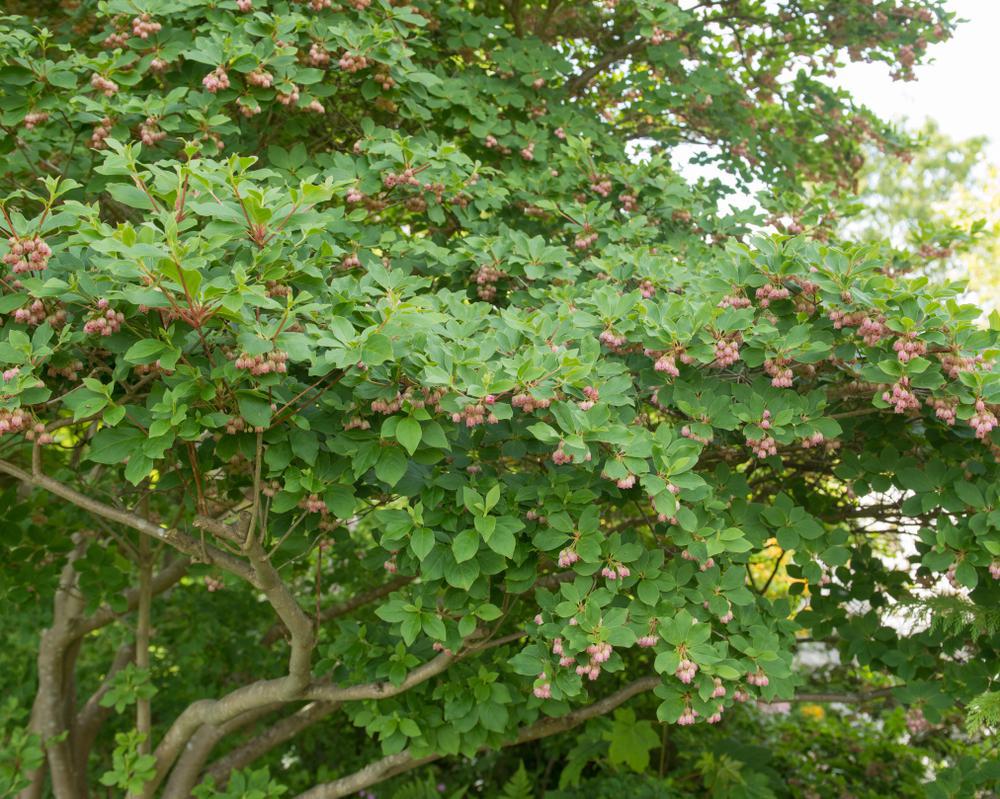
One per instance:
(365,309)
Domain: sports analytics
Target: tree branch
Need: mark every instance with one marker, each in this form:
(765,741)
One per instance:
(343,608)
(49,712)
(257,694)
(325,692)
(164,579)
(175,538)
(403,761)
(93,714)
(578,83)
(184,776)
(275,735)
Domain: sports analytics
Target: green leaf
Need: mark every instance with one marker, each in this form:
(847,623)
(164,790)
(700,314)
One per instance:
(502,541)
(340,500)
(631,740)
(434,626)
(408,434)
(377,349)
(465,545)
(254,408)
(391,465)
(145,351)
(113,445)
(138,468)
(421,542)
(84,403)
(463,575)
(970,494)
(965,574)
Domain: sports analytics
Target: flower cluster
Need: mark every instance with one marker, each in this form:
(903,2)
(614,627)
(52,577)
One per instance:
(318,55)
(542,689)
(901,397)
(34,118)
(145,26)
(734,300)
(727,351)
(407,177)
(615,571)
(107,322)
(780,373)
(842,319)
(150,133)
(872,331)
(814,440)
(38,434)
(916,723)
(567,557)
(474,414)
(274,361)
(599,653)
(528,403)
(486,279)
(585,239)
(769,292)
(667,363)
(983,420)
(33,315)
(260,78)
(954,364)
(101,132)
(312,504)
(591,396)
(102,84)
(216,80)
(612,340)
(600,184)
(290,97)
(352,62)
(27,254)
(758,678)
(13,421)
(944,409)
(686,670)
(908,347)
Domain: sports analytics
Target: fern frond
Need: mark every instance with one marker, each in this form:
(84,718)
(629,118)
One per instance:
(519,786)
(951,615)
(983,712)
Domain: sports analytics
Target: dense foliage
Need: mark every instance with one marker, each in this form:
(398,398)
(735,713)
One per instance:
(371,375)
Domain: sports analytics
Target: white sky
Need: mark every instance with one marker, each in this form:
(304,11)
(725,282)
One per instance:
(960,88)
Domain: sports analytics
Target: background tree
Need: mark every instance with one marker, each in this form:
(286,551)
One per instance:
(357,386)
